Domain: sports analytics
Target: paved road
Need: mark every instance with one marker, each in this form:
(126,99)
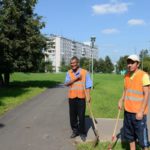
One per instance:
(39,124)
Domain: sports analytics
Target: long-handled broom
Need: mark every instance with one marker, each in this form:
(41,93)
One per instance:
(114,132)
(93,120)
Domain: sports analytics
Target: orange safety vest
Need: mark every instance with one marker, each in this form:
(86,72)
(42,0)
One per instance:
(134,94)
(77,88)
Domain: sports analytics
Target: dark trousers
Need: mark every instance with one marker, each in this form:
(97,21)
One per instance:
(77,108)
(136,129)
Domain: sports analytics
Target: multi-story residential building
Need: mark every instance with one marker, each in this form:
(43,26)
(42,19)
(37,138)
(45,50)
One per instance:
(60,48)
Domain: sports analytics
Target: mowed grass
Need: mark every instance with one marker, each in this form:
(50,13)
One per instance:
(24,86)
(104,146)
(107,91)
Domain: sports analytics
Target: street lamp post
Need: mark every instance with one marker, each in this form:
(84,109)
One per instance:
(92,46)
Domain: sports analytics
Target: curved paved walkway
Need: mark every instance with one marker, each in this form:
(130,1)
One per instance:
(39,124)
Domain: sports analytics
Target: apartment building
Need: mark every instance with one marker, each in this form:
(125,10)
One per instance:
(60,48)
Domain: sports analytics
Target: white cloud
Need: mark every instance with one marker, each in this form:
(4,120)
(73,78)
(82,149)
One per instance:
(110,31)
(112,8)
(134,22)
(87,43)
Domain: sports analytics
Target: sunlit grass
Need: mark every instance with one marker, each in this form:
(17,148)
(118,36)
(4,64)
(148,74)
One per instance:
(24,86)
(107,90)
(105,145)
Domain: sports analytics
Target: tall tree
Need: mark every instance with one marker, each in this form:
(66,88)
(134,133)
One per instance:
(102,67)
(64,67)
(121,64)
(109,65)
(143,53)
(85,63)
(21,42)
(146,64)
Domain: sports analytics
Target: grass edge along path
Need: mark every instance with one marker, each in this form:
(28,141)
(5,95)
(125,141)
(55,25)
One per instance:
(24,86)
(104,146)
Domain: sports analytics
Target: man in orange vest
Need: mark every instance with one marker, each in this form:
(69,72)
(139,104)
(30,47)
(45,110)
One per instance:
(135,98)
(78,80)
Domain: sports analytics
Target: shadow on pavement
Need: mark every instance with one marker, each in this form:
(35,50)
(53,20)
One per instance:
(17,88)
(1,125)
(88,123)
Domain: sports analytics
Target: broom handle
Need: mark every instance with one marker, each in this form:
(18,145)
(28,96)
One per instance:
(89,106)
(116,123)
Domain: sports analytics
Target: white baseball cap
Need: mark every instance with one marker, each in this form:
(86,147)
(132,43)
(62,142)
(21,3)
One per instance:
(134,58)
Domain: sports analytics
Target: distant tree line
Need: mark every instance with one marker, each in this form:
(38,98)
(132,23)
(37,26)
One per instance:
(106,65)
(99,66)
(144,62)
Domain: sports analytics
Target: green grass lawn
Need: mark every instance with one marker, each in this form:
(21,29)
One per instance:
(104,146)
(24,86)
(107,90)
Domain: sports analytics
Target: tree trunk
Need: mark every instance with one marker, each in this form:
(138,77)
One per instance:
(1,80)
(6,78)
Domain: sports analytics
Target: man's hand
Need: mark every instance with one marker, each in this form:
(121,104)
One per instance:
(139,115)
(88,99)
(120,104)
(78,77)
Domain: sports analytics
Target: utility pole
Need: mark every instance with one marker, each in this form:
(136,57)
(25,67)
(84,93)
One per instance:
(92,48)
(142,60)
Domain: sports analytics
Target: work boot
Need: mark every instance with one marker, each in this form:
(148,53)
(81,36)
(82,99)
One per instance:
(83,137)
(73,135)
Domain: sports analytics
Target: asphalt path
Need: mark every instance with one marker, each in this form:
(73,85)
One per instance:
(42,123)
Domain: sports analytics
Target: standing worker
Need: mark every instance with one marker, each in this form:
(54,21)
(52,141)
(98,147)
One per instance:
(78,80)
(135,98)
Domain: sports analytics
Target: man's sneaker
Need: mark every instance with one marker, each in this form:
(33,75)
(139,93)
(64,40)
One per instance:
(73,135)
(83,137)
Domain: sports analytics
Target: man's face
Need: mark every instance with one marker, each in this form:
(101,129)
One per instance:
(74,64)
(132,65)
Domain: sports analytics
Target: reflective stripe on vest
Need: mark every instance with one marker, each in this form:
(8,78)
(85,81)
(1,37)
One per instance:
(134,94)
(133,98)
(134,91)
(77,88)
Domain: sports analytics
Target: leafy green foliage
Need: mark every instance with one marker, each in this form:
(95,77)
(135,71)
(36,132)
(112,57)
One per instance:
(25,86)
(146,64)
(85,63)
(64,67)
(104,146)
(108,65)
(21,42)
(121,64)
(99,66)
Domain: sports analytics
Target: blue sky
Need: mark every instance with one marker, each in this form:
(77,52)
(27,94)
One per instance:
(121,27)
